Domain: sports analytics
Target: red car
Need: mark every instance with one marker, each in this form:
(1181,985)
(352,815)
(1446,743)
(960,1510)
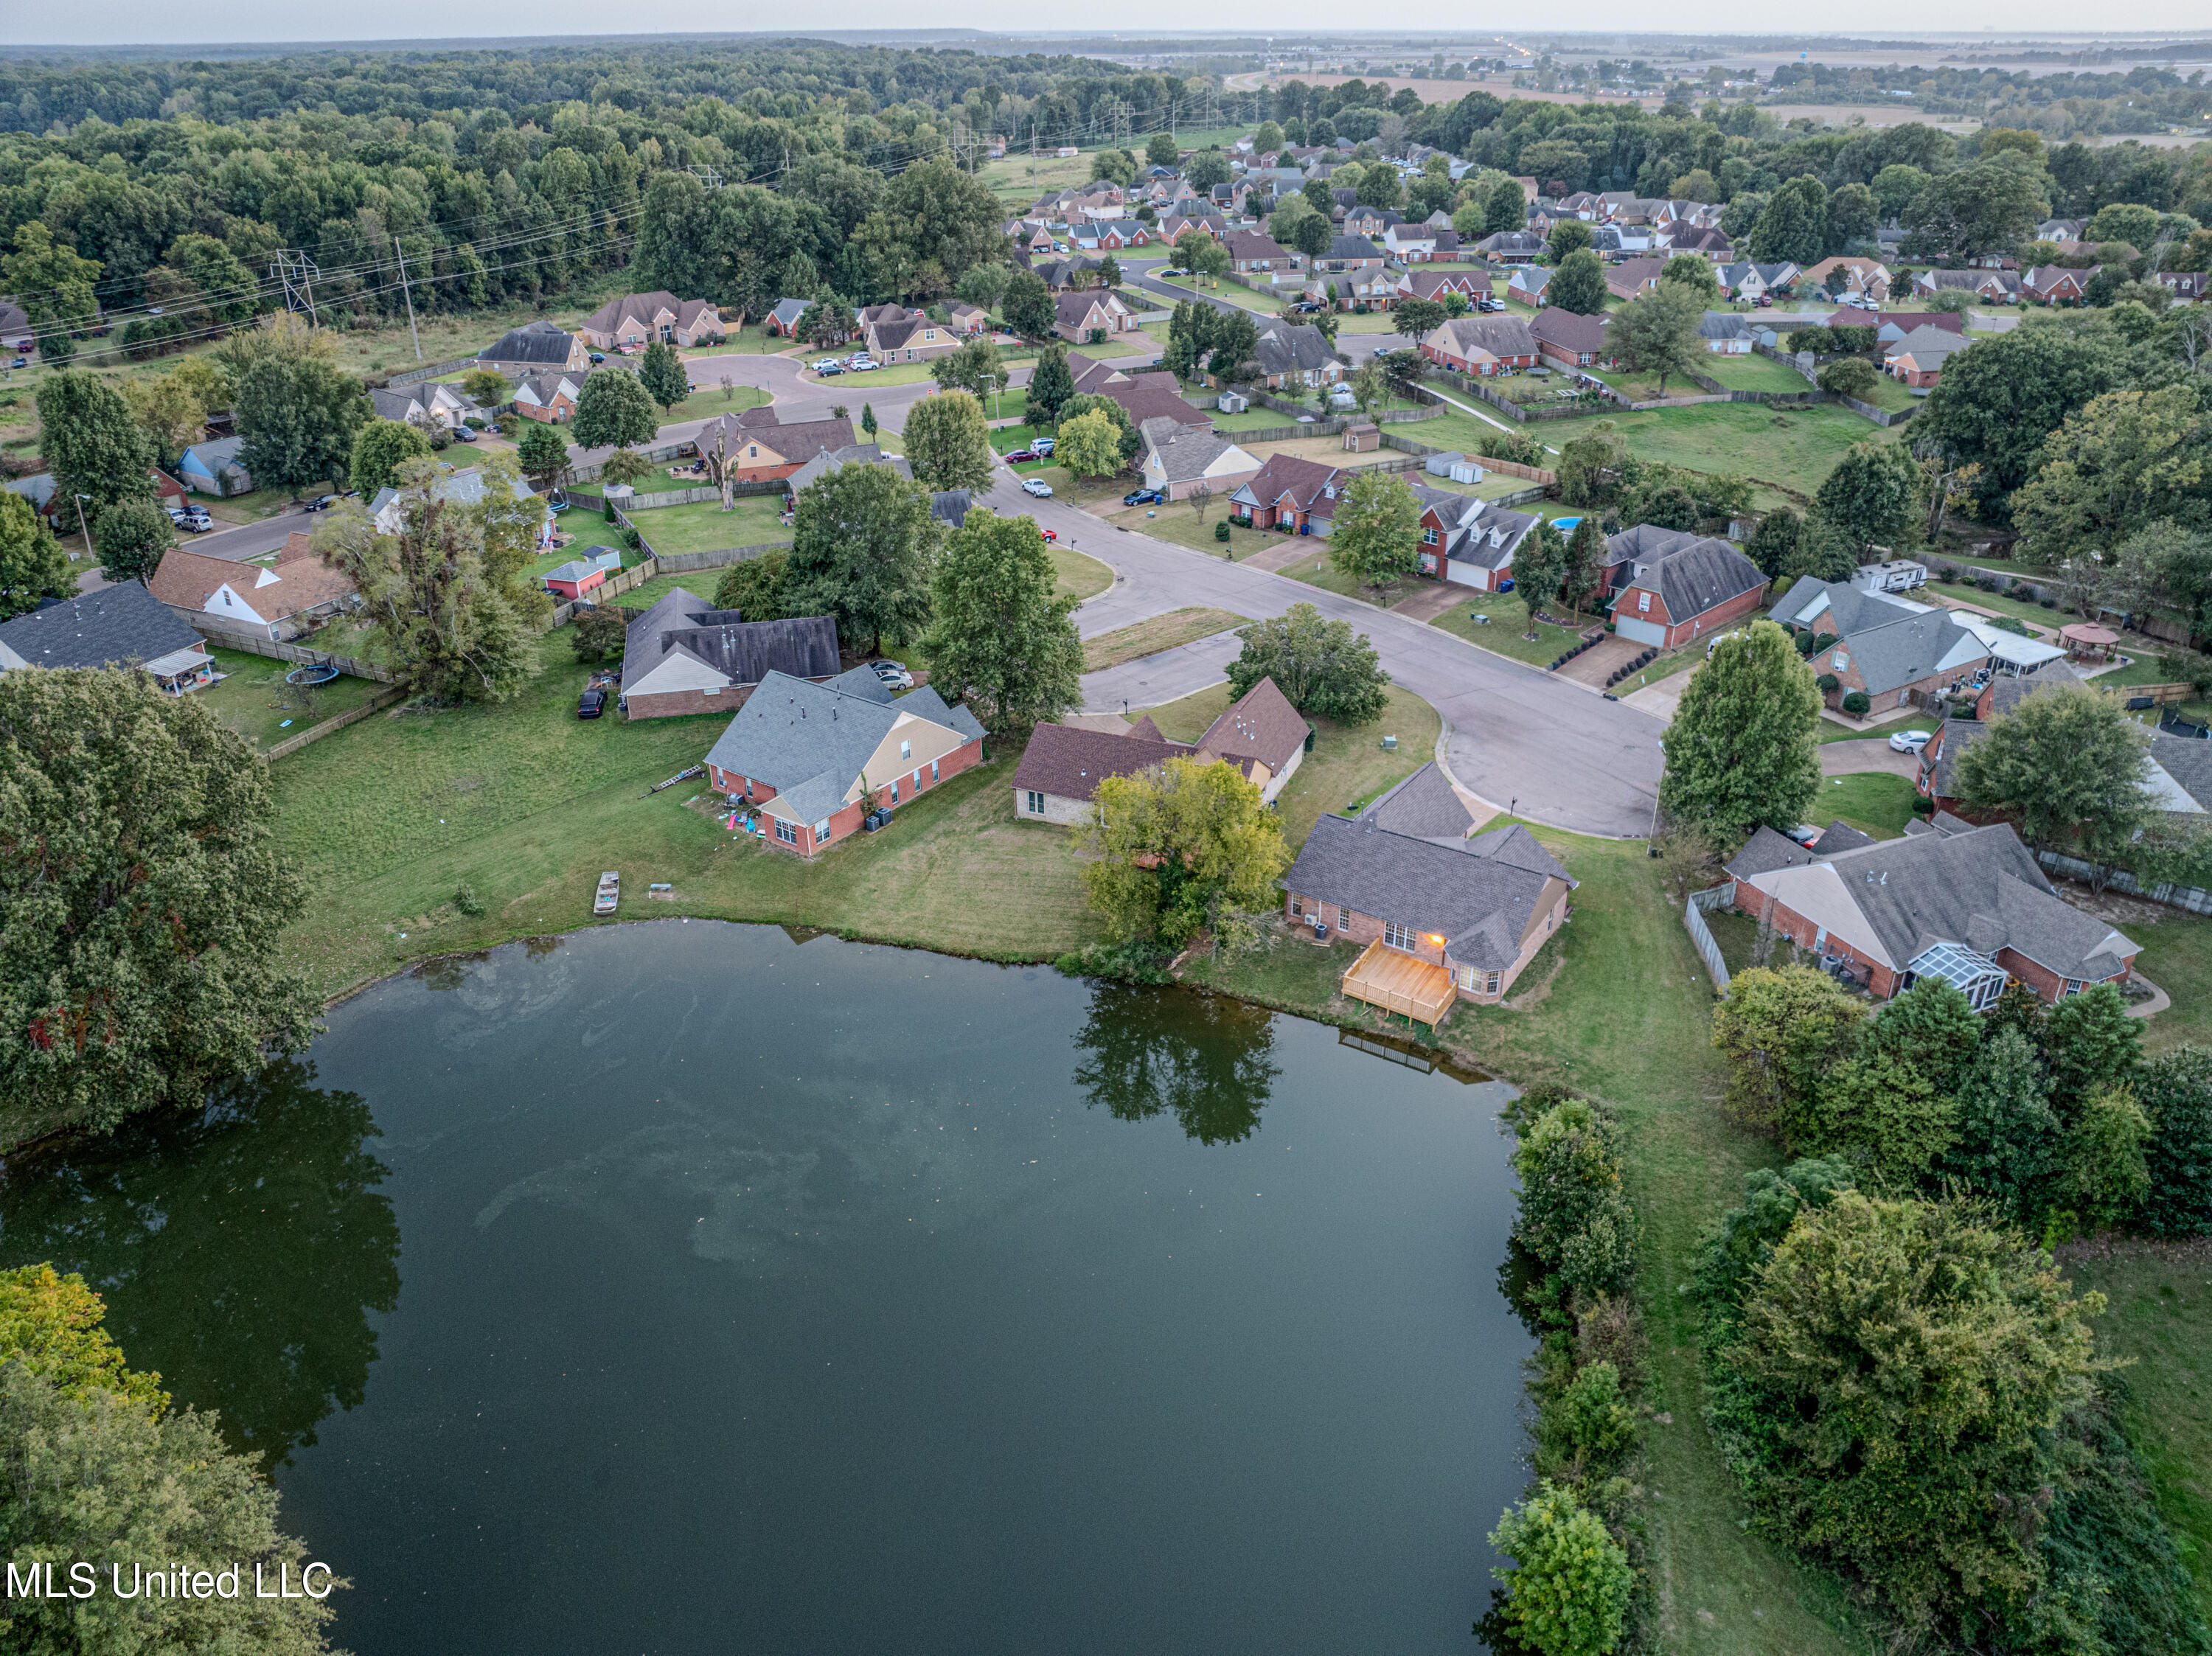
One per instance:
(1020,456)
(1049,534)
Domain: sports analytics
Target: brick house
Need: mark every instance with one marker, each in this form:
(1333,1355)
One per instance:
(1894,651)
(1998,287)
(1726,333)
(684,655)
(1678,585)
(1296,354)
(278,601)
(1250,253)
(1444,917)
(815,758)
(1633,277)
(1529,283)
(1511,247)
(643,318)
(550,397)
(1967,906)
(1435,284)
(1349,256)
(1483,345)
(1293,494)
(895,334)
(1869,277)
(534,347)
(1467,541)
(1082,317)
(763,448)
(1260,735)
(2054,284)
(1918,359)
(1569,337)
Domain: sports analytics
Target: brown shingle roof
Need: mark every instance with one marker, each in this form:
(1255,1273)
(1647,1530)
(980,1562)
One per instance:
(302,580)
(1260,724)
(1070,763)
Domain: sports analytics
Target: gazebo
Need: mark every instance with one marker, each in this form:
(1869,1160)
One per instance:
(2083,636)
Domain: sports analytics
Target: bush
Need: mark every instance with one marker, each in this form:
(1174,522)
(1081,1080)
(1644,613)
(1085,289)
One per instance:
(1848,376)
(467,902)
(1856,704)
(2048,603)
(1570,1595)
(1828,682)
(1574,1218)
(1588,1425)
(600,632)
(1221,530)
(1989,583)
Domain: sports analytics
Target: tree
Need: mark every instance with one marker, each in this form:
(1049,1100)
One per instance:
(168,409)
(1051,385)
(1578,285)
(1982,209)
(1741,750)
(56,289)
(1377,538)
(2067,760)
(297,418)
(1588,558)
(933,224)
(1656,332)
(1205,168)
(973,368)
(2090,1041)
(1773,541)
(1568,236)
(542,453)
(1001,639)
(1876,496)
(868,425)
(2008,1143)
(435,593)
(1417,318)
(1505,209)
(625,467)
(145,894)
(1179,846)
(2119,463)
(755,588)
(1090,444)
(486,387)
(1848,376)
(985,286)
(1109,272)
(1540,570)
(1898,1368)
(1896,187)
(1881,1113)
(863,543)
(1574,1220)
(1321,666)
(1160,150)
(1782,1031)
(1570,1591)
(613,409)
(1996,403)
(380,444)
(1267,140)
(663,376)
(33,565)
(91,443)
(948,442)
(827,321)
(1235,341)
(1591,466)
(2108,1175)
(2176,1089)
(1794,227)
(1312,236)
(133,535)
(1854,218)
(1695,273)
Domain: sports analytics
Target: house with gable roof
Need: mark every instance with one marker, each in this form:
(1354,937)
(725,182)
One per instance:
(120,625)
(1674,585)
(1293,494)
(761,447)
(1571,338)
(646,319)
(534,347)
(684,655)
(1918,359)
(1093,314)
(1260,736)
(1466,540)
(896,334)
(1296,354)
(1893,649)
(1180,458)
(814,758)
(1482,345)
(278,600)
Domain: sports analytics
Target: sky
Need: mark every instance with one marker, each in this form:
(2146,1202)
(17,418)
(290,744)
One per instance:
(32,23)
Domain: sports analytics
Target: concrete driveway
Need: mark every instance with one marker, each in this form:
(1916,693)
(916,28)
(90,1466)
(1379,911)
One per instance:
(1168,677)
(1874,754)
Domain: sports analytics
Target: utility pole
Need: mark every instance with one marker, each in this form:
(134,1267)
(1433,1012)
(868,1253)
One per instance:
(292,267)
(82,526)
(409,292)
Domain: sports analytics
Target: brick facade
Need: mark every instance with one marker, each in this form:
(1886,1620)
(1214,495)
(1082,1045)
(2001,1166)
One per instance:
(1689,628)
(1363,929)
(1881,981)
(901,790)
(674,704)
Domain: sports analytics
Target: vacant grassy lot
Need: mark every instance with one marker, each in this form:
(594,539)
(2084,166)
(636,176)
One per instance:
(1154,633)
(1790,450)
(1508,621)
(2046,622)
(254,700)
(1348,762)
(713,398)
(705,527)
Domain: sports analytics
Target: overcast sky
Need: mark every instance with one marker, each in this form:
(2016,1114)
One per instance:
(163,22)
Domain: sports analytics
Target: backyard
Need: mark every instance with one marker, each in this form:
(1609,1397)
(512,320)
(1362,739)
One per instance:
(703,526)
(254,699)
(1788,450)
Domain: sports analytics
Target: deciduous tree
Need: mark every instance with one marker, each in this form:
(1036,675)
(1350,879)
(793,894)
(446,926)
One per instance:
(1741,750)
(1578,285)
(1568,1591)
(948,442)
(486,387)
(1568,236)
(755,588)
(1090,444)
(33,565)
(1876,496)
(2176,1089)
(542,453)
(863,549)
(1656,332)
(613,409)
(1794,227)
(1003,638)
(56,290)
(2066,760)
(2119,462)
(1321,666)
(131,536)
(1180,847)
(168,409)
(1377,538)
(1051,385)
(297,418)
(91,443)
(662,375)
(380,444)
(1982,209)
(1783,1030)
(1694,272)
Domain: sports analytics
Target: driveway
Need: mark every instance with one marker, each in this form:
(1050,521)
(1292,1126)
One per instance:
(1571,759)
(1874,754)
(1596,664)
(1168,677)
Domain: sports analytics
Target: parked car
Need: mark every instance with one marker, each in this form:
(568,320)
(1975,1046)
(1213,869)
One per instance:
(1020,456)
(1045,446)
(19,362)
(462,434)
(592,704)
(1038,487)
(829,365)
(1911,741)
(861,363)
(893,673)
(1049,534)
(598,357)
(323,502)
(1143,497)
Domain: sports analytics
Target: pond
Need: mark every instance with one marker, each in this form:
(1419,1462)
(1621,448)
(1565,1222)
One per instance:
(679,1287)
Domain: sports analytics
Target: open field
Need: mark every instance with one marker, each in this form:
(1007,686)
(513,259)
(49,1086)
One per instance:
(1156,634)
(705,527)
(1790,450)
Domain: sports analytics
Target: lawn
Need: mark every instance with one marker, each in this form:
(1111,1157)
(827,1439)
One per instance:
(255,701)
(255,506)
(898,373)
(1082,577)
(713,398)
(2044,621)
(525,803)
(1791,451)
(1753,373)
(1509,620)
(1156,634)
(1619,1006)
(1873,801)
(705,527)
(1348,762)
(1176,523)
(751,340)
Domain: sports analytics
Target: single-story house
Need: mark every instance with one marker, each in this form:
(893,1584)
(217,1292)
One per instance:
(1569,337)
(1292,494)
(1296,354)
(1063,765)
(1615,241)
(1207,224)
(465,485)
(761,447)
(534,346)
(1482,344)
(1726,333)
(1968,906)
(836,459)
(584,574)
(1444,917)
(1892,325)
(1633,277)
(215,468)
(1745,280)
(1179,459)
(1154,397)
(1868,276)
(1998,287)
(278,601)
(1467,541)
(1529,283)
(1708,241)
(1918,358)
(684,655)
(548,397)
(967,319)
(644,318)
(895,334)
(1895,649)
(783,320)
(1939,759)
(1082,317)
(1678,585)
(2054,284)
(1435,284)
(1349,255)
(816,757)
(1249,251)
(1262,736)
(120,626)
(1511,247)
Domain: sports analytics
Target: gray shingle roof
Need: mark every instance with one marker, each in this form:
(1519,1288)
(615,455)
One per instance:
(1724,324)
(807,740)
(1425,806)
(533,342)
(853,454)
(1293,348)
(1698,575)
(1891,643)
(1184,451)
(742,652)
(113,625)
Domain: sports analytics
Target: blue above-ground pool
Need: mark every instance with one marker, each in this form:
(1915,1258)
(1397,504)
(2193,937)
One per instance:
(1565,526)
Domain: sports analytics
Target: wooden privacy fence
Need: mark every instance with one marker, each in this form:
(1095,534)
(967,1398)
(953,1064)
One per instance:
(2195,899)
(376,703)
(655,565)
(1693,917)
(349,665)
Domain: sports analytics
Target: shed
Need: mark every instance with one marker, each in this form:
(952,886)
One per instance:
(1363,438)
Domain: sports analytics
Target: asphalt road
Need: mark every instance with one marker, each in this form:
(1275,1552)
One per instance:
(1555,752)
(249,540)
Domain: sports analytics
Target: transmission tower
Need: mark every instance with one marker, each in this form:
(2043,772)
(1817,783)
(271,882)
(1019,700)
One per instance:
(292,267)
(713,180)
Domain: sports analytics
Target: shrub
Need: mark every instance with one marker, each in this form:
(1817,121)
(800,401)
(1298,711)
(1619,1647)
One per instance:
(1588,1425)
(1856,702)
(1828,682)
(600,632)
(2048,603)
(467,902)
(1848,376)
(1221,530)
(1570,1595)
(1574,1218)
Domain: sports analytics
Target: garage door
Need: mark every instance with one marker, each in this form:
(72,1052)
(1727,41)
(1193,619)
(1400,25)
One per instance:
(1643,631)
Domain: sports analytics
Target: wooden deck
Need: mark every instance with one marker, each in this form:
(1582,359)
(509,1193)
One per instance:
(1397,983)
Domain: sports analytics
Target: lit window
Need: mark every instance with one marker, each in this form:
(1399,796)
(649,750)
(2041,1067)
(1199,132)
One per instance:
(1036,803)
(1644,600)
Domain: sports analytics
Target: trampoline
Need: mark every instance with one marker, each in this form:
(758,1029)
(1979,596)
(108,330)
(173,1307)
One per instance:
(314,673)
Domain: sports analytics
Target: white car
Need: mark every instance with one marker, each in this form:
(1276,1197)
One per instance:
(1911,741)
(1038,487)
(861,363)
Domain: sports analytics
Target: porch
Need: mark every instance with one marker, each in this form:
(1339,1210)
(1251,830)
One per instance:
(1396,982)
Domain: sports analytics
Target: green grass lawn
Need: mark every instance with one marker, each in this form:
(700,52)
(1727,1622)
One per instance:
(1873,801)
(1154,633)
(1079,576)
(253,507)
(1619,1006)
(897,374)
(751,340)
(1753,372)
(254,700)
(713,398)
(1175,521)
(1791,451)
(703,526)
(1348,762)
(2049,621)
(1509,620)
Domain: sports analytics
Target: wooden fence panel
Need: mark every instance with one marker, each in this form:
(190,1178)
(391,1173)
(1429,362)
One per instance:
(375,704)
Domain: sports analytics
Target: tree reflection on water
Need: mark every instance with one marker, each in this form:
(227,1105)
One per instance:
(1206,1058)
(240,1249)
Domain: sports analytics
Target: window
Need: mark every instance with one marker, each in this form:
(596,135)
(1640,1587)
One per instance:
(1297,908)
(1035,802)
(1344,920)
(906,749)
(822,832)
(1466,977)
(1644,600)
(786,832)
(932,770)
(1397,936)
(917,781)
(2071,986)
(1428,535)
(1490,983)
(895,793)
